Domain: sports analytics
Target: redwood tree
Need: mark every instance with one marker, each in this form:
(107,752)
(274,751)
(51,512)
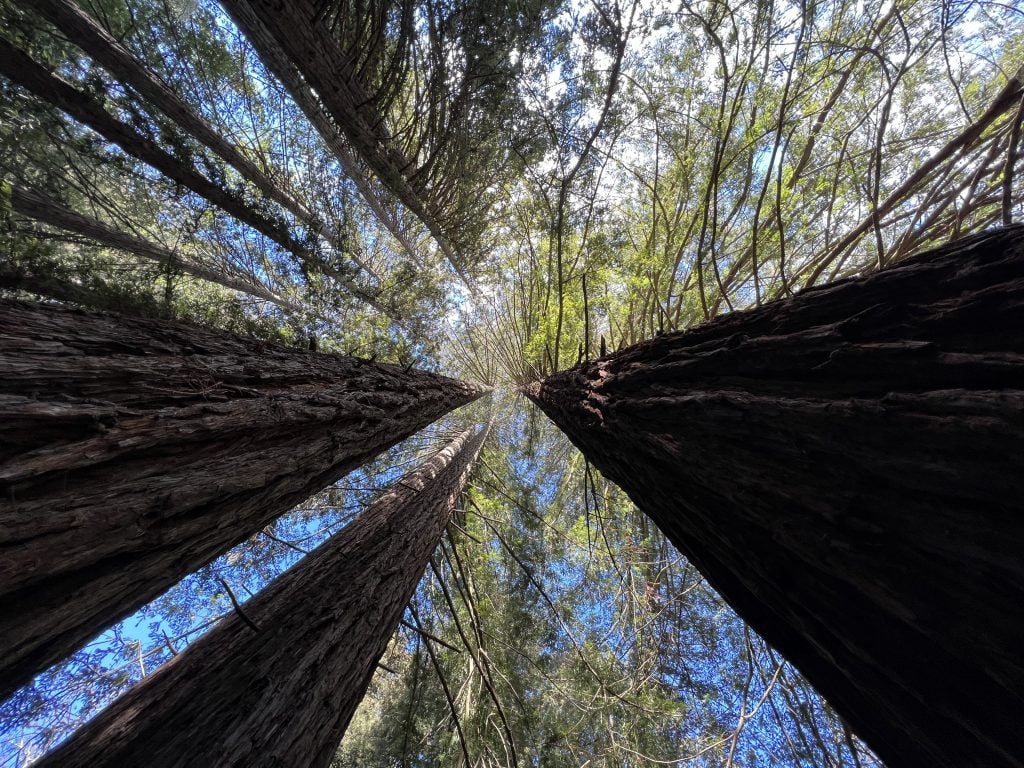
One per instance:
(845,468)
(133,452)
(277,685)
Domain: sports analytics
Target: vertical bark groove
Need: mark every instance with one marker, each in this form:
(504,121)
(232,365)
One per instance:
(283,695)
(133,452)
(845,468)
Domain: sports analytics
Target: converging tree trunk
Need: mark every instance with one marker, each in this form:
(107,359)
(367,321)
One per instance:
(296,33)
(306,99)
(278,686)
(846,469)
(24,71)
(133,452)
(36,205)
(87,33)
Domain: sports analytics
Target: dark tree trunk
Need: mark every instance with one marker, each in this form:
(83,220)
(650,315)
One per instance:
(282,693)
(133,452)
(846,469)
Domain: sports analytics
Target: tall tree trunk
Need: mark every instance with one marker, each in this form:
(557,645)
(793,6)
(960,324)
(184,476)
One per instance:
(294,32)
(845,468)
(39,278)
(35,205)
(279,689)
(278,64)
(133,452)
(22,70)
(84,31)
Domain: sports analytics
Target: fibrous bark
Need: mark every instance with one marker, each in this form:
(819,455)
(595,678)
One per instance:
(845,468)
(133,452)
(279,688)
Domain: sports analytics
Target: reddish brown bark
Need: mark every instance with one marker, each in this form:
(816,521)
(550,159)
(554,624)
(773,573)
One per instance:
(282,695)
(845,468)
(132,452)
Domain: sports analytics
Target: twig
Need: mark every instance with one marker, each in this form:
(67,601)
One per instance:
(238,608)
(428,635)
(444,686)
(288,544)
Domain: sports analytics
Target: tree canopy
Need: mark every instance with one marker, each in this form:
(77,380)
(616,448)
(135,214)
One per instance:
(495,192)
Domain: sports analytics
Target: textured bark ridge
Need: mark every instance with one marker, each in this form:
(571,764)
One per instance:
(283,695)
(133,452)
(847,469)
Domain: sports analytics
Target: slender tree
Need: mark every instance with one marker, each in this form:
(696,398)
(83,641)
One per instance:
(105,49)
(844,467)
(292,34)
(135,451)
(21,69)
(306,99)
(277,683)
(420,104)
(36,205)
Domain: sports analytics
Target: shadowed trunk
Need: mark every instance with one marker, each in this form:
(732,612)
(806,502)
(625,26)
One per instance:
(845,468)
(133,452)
(282,695)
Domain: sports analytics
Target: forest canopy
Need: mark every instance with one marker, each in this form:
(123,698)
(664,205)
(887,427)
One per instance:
(495,192)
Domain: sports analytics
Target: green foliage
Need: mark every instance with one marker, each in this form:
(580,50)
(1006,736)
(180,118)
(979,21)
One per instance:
(573,632)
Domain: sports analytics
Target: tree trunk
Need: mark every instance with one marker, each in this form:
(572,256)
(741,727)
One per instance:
(133,452)
(35,205)
(38,279)
(22,70)
(293,32)
(281,67)
(845,468)
(84,31)
(279,689)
